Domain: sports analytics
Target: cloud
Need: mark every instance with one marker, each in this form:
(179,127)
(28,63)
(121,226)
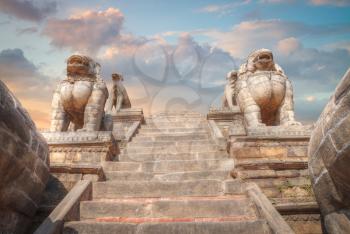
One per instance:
(339,45)
(26,81)
(87,31)
(28,9)
(152,65)
(338,3)
(251,35)
(314,74)
(310,98)
(288,45)
(223,9)
(276,1)
(29,30)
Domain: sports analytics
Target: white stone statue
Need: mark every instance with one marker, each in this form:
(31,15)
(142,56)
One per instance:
(229,100)
(119,97)
(79,100)
(263,92)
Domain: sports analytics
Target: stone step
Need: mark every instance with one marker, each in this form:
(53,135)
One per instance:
(194,175)
(119,189)
(172,226)
(179,125)
(176,117)
(177,176)
(184,114)
(180,143)
(141,157)
(148,130)
(225,206)
(269,173)
(170,166)
(171,149)
(174,120)
(128,176)
(172,137)
(160,133)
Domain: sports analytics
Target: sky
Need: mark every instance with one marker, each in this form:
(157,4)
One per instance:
(173,54)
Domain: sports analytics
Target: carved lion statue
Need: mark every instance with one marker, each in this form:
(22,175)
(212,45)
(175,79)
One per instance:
(119,99)
(263,92)
(79,100)
(229,100)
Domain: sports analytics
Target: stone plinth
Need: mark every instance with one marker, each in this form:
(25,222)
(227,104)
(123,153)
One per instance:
(230,121)
(74,156)
(268,147)
(80,148)
(275,158)
(128,115)
(126,122)
(271,142)
(24,165)
(225,114)
(78,155)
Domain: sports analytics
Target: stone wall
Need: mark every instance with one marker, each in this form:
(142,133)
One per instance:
(329,160)
(24,165)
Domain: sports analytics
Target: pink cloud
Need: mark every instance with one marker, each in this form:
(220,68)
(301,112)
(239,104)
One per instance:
(251,35)
(87,31)
(288,45)
(330,2)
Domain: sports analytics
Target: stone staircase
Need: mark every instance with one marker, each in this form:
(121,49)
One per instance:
(172,178)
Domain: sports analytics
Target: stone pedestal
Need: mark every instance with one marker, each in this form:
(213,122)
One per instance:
(74,148)
(80,152)
(228,120)
(126,123)
(270,142)
(76,156)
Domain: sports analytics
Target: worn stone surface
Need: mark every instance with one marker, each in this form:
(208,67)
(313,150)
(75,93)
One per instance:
(79,100)
(24,164)
(287,148)
(329,159)
(258,227)
(304,223)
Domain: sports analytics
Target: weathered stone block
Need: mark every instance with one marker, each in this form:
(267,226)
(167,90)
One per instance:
(71,148)
(329,159)
(297,151)
(273,152)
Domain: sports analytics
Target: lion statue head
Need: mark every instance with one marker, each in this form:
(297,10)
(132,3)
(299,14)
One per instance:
(82,66)
(260,60)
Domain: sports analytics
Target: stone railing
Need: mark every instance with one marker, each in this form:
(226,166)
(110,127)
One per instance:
(68,209)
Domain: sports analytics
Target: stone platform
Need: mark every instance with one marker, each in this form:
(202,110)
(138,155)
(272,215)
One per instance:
(172,177)
(275,158)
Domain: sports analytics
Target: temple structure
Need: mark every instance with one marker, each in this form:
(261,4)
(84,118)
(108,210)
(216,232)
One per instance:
(242,168)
